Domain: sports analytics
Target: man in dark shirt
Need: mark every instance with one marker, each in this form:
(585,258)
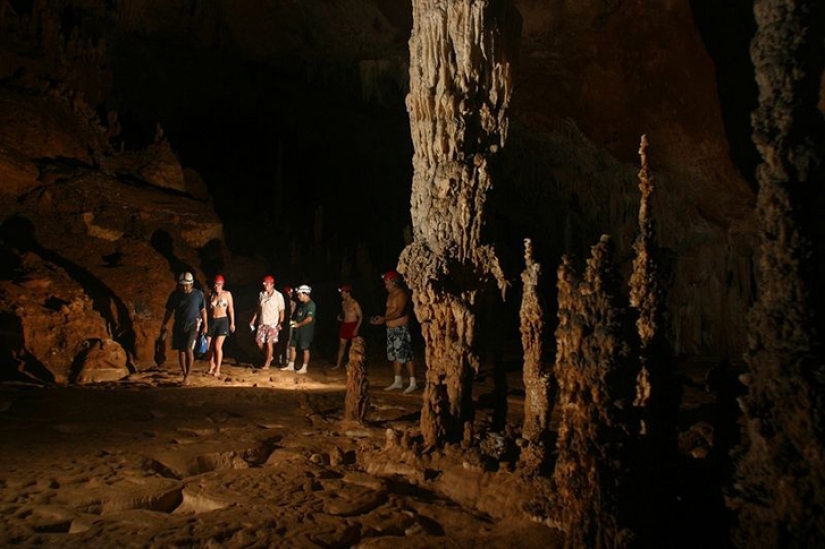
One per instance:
(189,307)
(303,326)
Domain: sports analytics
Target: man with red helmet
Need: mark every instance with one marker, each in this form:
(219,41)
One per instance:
(350,319)
(399,342)
(270,314)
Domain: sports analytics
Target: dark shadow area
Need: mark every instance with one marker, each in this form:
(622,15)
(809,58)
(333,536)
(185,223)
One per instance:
(162,242)
(18,232)
(727,29)
(16,363)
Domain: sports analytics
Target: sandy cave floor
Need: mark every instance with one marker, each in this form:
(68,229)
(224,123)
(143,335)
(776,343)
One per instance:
(253,459)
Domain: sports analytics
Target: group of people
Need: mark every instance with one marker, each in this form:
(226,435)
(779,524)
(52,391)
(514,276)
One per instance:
(279,322)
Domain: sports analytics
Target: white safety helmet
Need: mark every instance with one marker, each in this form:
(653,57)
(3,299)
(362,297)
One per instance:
(304,289)
(186,278)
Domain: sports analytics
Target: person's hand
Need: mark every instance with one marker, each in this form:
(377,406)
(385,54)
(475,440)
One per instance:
(339,318)
(251,326)
(232,328)
(377,319)
(292,324)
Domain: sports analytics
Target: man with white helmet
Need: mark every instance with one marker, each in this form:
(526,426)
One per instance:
(303,325)
(189,307)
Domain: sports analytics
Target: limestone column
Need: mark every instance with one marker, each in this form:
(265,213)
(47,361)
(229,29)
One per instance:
(780,489)
(461,54)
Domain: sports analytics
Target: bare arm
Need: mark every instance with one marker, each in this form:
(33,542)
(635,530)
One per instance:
(166,318)
(204,321)
(230,311)
(360,316)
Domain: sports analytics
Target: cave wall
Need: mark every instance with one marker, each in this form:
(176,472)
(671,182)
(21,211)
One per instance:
(287,108)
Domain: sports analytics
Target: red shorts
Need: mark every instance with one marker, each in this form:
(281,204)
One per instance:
(347,330)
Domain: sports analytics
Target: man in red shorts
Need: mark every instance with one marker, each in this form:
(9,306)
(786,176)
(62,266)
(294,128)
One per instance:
(350,319)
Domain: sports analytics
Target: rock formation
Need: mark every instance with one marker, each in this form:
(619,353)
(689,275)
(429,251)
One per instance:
(780,489)
(358,388)
(538,403)
(596,371)
(461,56)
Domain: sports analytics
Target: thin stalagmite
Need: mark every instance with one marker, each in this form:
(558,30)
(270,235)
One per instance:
(537,397)
(461,55)
(358,393)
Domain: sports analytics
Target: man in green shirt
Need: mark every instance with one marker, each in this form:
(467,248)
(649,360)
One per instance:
(303,326)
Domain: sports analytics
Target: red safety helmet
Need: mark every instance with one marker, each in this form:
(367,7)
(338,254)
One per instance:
(288,290)
(268,279)
(391,275)
(345,288)
(219,279)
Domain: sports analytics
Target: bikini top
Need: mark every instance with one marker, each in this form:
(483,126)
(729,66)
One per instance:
(219,301)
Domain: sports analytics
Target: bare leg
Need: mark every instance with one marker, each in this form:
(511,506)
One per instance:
(217,356)
(342,346)
(268,361)
(397,383)
(209,346)
(411,371)
(305,365)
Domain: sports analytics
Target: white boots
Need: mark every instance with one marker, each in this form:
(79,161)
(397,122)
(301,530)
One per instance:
(398,384)
(291,368)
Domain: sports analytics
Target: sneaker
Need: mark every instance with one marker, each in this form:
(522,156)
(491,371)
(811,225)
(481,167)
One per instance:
(411,388)
(303,370)
(394,386)
(288,368)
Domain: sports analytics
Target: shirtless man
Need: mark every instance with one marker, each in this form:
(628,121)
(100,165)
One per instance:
(350,319)
(221,323)
(399,342)
(270,313)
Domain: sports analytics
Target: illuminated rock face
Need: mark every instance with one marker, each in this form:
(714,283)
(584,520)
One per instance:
(357,401)
(781,476)
(596,370)
(460,87)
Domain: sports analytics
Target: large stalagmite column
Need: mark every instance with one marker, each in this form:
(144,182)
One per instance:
(781,474)
(460,86)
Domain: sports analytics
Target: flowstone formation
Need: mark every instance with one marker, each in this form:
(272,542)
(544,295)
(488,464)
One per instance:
(596,371)
(780,490)
(461,56)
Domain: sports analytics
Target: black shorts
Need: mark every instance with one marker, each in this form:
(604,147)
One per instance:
(183,338)
(219,327)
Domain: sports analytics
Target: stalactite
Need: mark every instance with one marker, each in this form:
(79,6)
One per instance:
(357,401)
(460,85)
(780,489)
(596,374)
(537,398)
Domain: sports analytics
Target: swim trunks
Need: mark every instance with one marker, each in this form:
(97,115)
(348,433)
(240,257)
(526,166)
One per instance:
(347,330)
(399,344)
(267,334)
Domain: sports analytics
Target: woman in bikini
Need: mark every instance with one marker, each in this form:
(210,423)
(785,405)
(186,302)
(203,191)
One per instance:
(221,323)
